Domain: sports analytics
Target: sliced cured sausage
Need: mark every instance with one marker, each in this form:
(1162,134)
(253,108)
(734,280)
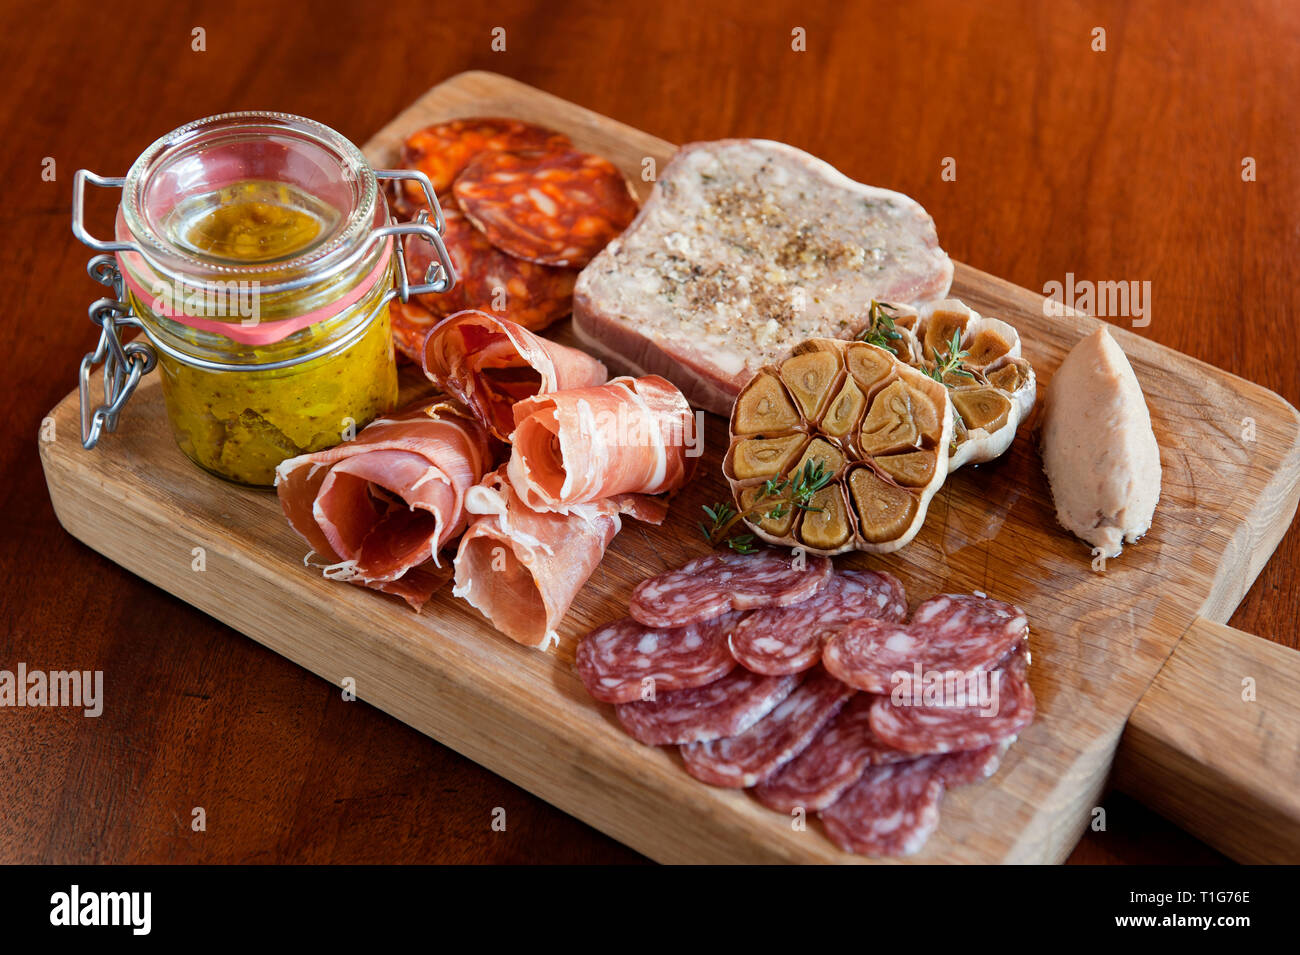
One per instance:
(833,762)
(1006,709)
(747,759)
(778,640)
(970,766)
(554,208)
(710,585)
(726,707)
(627,436)
(491,364)
(487,279)
(442,150)
(381,505)
(949,634)
(890,811)
(411,323)
(892,808)
(522,569)
(626,660)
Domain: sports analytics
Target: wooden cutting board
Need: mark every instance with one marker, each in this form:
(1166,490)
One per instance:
(1221,765)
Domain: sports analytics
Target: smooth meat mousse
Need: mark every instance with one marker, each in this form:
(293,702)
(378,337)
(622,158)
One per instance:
(1099,451)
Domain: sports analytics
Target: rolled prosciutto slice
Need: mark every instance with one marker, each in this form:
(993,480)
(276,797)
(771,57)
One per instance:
(628,436)
(378,509)
(522,568)
(490,363)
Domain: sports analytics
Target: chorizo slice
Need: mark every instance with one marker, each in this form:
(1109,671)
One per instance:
(442,150)
(554,208)
(490,281)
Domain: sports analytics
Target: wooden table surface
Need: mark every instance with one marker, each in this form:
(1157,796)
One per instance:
(1122,164)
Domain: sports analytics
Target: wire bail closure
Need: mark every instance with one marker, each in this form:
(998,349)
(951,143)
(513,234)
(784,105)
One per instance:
(124,364)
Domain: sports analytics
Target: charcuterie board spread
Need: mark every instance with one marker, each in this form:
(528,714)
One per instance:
(665,675)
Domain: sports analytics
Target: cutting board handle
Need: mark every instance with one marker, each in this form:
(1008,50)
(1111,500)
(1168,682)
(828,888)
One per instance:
(1214,744)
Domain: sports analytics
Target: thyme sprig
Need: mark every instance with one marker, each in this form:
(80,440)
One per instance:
(951,363)
(776,498)
(880,329)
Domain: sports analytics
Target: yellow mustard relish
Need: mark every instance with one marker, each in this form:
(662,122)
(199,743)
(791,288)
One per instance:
(239,424)
(252,221)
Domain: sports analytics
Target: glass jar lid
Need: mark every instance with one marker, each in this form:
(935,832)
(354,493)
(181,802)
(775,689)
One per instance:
(203,157)
(252,212)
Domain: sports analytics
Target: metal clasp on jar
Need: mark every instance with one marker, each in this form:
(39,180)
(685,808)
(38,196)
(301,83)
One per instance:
(125,364)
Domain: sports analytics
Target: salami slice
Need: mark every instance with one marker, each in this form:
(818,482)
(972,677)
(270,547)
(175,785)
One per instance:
(442,150)
(970,766)
(726,707)
(490,281)
(779,640)
(747,759)
(949,633)
(715,583)
(621,661)
(1008,709)
(554,208)
(833,762)
(890,811)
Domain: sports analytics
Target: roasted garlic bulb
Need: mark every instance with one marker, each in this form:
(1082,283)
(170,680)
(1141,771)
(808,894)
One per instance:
(877,431)
(991,386)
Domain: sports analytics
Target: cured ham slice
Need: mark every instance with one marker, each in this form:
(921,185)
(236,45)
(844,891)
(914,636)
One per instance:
(522,568)
(491,363)
(630,435)
(379,507)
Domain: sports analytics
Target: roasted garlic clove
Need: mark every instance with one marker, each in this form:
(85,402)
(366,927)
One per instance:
(987,345)
(982,409)
(913,469)
(810,378)
(765,457)
(844,410)
(927,413)
(822,452)
(937,329)
(868,365)
(884,510)
(825,525)
(1007,378)
(889,425)
(764,408)
(876,431)
(776,526)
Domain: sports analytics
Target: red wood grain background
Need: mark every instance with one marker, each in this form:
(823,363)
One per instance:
(1122,164)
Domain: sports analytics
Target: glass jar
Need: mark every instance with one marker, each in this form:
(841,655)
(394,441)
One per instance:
(255,252)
